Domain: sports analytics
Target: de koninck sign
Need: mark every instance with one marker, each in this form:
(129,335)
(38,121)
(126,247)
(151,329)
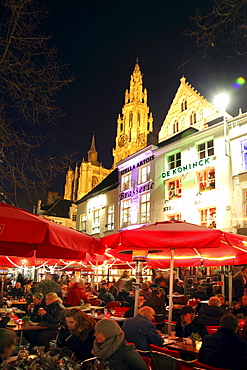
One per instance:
(205,162)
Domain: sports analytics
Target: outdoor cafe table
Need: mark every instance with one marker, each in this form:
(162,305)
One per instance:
(181,346)
(87,308)
(22,328)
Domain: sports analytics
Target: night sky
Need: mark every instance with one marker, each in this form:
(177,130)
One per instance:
(101,40)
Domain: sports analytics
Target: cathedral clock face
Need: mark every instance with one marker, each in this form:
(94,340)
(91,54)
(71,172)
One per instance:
(122,140)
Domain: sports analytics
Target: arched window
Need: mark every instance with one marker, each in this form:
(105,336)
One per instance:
(130,119)
(175,127)
(184,105)
(193,118)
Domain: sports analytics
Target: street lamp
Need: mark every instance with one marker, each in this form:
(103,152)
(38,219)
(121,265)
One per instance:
(221,101)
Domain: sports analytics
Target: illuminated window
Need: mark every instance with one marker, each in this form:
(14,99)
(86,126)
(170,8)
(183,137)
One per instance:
(208,217)
(145,208)
(200,114)
(193,118)
(174,217)
(205,149)
(174,189)
(73,217)
(83,223)
(144,174)
(174,160)
(125,213)
(126,182)
(96,221)
(244,154)
(175,127)
(206,179)
(110,217)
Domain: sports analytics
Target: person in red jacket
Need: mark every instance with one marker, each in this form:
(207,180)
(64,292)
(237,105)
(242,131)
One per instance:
(77,294)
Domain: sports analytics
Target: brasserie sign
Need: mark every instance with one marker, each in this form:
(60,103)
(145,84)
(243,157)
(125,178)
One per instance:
(186,168)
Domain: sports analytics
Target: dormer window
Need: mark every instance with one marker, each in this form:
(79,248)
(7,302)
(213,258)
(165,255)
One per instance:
(193,118)
(175,127)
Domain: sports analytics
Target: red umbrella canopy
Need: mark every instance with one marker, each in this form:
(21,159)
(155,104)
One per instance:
(191,244)
(22,233)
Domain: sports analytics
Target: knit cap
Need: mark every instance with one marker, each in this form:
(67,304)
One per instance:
(109,328)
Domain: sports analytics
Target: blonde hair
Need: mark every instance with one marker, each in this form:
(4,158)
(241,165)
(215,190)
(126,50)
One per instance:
(214,301)
(54,296)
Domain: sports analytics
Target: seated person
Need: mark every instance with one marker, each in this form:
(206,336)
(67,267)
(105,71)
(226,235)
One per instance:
(5,320)
(104,295)
(177,307)
(141,331)
(241,307)
(77,294)
(141,302)
(178,286)
(78,335)
(33,308)
(189,323)
(200,294)
(125,298)
(52,316)
(224,348)
(7,343)
(145,290)
(212,312)
(112,350)
(157,304)
(223,302)
(17,291)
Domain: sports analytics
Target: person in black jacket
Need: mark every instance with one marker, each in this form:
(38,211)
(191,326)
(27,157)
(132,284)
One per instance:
(78,335)
(224,349)
(52,316)
(212,312)
(112,350)
(7,343)
(33,308)
(189,323)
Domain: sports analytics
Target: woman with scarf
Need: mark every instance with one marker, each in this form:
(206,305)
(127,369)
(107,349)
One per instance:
(112,350)
(78,336)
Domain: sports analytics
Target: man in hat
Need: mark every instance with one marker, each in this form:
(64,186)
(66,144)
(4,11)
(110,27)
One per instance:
(189,323)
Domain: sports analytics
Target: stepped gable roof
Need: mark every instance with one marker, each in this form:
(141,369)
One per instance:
(109,183)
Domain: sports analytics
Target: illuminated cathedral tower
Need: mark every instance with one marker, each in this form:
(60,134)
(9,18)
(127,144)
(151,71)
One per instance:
(136,122)
(85,177)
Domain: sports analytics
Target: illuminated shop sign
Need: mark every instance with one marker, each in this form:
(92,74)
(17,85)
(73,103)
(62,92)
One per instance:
(141,163)
(186,168)
(137,190)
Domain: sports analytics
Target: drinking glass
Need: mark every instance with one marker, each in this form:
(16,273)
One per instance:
(105,311)
(113,311)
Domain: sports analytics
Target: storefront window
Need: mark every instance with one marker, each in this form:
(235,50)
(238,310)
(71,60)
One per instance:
(206,149)
(126,182)
(174,160)
(206,179)
(174,217)
(174,189)
(145,208)
(125,214)
(110,217)
(96,221)
(144,174)
(208,217)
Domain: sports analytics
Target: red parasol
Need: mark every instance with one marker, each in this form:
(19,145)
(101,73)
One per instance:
(22,233)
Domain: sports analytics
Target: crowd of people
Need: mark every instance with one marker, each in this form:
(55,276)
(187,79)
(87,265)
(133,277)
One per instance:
(78,334)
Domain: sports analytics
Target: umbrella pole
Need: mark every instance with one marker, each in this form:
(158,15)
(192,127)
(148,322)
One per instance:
(170,292)
(230,286)
(137,290)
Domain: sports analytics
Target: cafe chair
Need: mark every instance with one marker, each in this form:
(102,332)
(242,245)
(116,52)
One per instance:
(147,362)
(199,366)
(167,351)
(95,302)
(112,304)
(120,311)
(212,329)
(164,361)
